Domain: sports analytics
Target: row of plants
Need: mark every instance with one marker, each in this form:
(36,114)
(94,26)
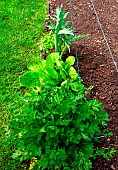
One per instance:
(56,126)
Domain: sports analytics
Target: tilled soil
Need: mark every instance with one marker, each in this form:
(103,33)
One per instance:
(95,63)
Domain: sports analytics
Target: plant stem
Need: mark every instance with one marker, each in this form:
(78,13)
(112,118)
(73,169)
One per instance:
(56,42)
(63,51)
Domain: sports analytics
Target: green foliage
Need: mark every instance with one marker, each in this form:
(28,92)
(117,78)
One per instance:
(47,42)
(58,125)
(50,71)
(63,33)
(109,153)
(53,125)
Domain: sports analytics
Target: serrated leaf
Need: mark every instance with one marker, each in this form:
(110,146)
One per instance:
(100,151)
(66,14)
(51,27)
(66,31)
(112,152)
(16,154)
(58,11)
(80,37)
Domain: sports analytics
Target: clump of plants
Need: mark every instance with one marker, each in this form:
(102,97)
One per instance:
(57,125)
(47,42)
(61,35)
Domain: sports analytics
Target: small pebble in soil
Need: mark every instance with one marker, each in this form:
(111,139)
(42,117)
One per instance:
(112,167)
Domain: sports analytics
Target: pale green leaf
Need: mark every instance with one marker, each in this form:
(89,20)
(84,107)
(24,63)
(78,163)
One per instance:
(66,14)
(42,130)
(34,68)
(51,59)
(70,60)
(73,74)
(66,31)
(16,154)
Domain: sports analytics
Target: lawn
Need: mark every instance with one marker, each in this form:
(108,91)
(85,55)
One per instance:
(21,26)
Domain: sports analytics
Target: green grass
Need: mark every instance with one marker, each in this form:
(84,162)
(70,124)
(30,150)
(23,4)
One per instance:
(21,25)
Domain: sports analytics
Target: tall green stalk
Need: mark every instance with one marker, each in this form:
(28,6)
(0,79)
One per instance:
(63,33)
(56,42)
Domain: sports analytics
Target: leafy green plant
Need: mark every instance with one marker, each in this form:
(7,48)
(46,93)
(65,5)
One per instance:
(47,42)
(58,125)
(63,33)
(106,154)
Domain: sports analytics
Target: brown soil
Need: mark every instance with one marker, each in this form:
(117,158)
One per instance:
(96,66)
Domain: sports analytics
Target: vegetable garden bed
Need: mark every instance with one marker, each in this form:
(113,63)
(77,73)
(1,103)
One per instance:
(56,122)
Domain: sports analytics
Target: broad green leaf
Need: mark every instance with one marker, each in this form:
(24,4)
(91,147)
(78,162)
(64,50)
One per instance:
(49,80)
(58,64)
(70,60)
(73,74)
(62,73)
(52,72)
(51,59)
(30,79)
